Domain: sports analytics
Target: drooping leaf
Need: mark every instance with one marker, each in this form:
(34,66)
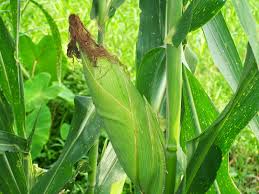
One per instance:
(42,129)
(84,130)
(199,113)
(249,25)
(217,139)
(56,39)
(198,13)
(151,28)
(226,57)
(110,174)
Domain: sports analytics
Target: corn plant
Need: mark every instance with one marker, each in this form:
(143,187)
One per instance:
(164,132)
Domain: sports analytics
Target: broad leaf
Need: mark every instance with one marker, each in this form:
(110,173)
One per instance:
(196,15)
(199,113)
(216,141)
(110,175)
(56,39)
(84,130)
(38,91)
(40,57)
(226,57)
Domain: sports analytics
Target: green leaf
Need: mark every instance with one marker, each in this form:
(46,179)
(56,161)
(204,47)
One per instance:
(84,130)
(115,4)
(38,91)
(223,50)
(65,93)
(226,57)
(224,182)
(110,174)
(13,7)
(6,114)
(249,25)
(10,80)
(198,13)
(12,178)
(130,124)
(64,130)
(151,77)
(216,141)
(42,129)
(56,39)
(190,58)
(151,27)
(199,113)
(12,143)
(40,57)
(117,187)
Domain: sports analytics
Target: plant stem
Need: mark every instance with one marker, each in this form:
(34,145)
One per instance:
(93,153)
(174,94)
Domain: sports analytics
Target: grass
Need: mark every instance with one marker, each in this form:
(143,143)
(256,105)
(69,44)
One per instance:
(120,38)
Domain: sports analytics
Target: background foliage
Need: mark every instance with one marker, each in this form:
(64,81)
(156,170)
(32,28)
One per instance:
(120,39)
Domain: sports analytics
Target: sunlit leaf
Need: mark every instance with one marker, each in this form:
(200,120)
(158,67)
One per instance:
(226,57)
(198,13)
(249,25)
(218,138)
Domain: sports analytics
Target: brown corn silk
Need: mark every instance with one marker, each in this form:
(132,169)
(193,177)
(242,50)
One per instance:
(81,36)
